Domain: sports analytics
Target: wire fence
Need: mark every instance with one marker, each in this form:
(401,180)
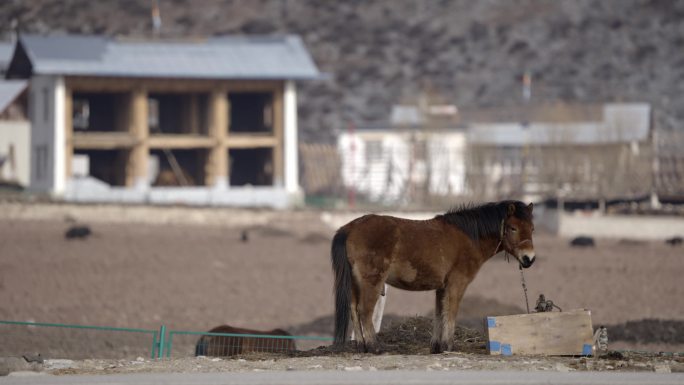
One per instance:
(430,171)
(54,340)
(182,343)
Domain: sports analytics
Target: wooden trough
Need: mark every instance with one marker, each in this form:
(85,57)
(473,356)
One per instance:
(567,333)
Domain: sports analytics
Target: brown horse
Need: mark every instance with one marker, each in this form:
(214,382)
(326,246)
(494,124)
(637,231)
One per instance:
(443,254)
(236,343)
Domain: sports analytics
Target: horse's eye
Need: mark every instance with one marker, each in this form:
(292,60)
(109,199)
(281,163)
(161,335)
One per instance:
(513,229)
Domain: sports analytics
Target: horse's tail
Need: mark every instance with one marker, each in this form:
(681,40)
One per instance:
(343,285)
(201,347)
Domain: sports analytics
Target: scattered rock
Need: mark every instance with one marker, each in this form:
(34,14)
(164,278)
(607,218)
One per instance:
(582,241)
(59,364)
(33,358)
(352,368)
(78,232)
(674,241)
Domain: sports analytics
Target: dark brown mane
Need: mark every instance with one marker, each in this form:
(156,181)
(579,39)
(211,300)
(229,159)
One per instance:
(484,220)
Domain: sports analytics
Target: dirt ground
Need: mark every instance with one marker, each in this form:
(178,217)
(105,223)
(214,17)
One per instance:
(197,274)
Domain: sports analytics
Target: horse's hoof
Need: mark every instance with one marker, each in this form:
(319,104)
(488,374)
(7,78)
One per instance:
(367,348)
(436,348)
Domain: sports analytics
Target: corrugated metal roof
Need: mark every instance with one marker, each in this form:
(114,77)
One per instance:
(215,58)
(9,91)
(622,123)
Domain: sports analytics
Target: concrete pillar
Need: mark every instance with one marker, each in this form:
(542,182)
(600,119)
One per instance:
(59,120)
(216,168)
(136,170)
(278,128)
(290,138)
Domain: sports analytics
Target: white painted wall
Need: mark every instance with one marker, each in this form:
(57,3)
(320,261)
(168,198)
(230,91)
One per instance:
(378,163)
(46,105)
(447,163)
(18,134)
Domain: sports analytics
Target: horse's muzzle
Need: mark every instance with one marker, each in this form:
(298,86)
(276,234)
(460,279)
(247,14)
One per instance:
(526,261)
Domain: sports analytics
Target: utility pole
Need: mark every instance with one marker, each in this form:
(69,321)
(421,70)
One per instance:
(156,18)
(527,96)
(351,189)
(655,163)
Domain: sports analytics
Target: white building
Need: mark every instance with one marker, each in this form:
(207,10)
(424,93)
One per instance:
(390,165)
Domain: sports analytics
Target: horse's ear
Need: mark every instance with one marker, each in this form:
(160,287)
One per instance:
(530,207)
(511,209)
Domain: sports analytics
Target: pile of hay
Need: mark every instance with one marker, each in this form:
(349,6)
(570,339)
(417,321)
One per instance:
(410,336)
(413,335)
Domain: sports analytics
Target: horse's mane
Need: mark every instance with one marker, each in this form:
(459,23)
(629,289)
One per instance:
(479,221)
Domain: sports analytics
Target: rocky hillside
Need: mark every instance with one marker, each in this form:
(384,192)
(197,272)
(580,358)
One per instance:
(379,53)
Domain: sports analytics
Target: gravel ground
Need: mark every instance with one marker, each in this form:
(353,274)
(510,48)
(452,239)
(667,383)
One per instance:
(356,362)
(147,271)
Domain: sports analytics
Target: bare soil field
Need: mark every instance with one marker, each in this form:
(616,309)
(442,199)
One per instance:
(200,274)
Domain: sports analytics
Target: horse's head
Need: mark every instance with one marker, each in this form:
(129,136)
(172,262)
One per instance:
(516,233)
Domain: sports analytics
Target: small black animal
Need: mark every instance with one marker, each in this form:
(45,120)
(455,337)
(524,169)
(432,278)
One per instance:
(78,232)
(583,241)
(674,241)
(244,237)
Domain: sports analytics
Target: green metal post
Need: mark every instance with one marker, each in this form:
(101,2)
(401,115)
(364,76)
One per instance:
(154,344)
(162,342)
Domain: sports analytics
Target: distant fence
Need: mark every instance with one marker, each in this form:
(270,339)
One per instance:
(55,340)
(419,171)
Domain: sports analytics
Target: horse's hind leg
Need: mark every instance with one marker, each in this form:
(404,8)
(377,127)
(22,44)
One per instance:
(378,312)
(368,298)
(379,309)
(356,323)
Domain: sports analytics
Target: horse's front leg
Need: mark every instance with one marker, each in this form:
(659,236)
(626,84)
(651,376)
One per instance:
(438,323)
(451,301)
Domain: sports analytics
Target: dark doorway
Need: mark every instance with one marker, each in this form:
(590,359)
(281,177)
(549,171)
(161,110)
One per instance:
(251,112)
(252,166)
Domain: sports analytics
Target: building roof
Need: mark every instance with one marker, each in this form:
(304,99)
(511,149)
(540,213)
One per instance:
(621,123)
(9,91)
(244,57)
(6,49)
